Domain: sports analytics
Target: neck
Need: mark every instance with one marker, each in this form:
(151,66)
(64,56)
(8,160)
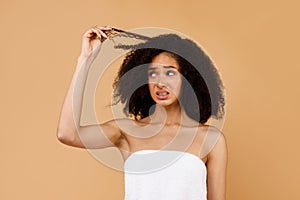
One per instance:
(169,115)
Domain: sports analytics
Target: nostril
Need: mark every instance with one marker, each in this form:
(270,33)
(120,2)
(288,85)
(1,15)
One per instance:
(159,84)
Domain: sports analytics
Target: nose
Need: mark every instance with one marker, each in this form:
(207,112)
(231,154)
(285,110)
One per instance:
(160,84)
(159,81)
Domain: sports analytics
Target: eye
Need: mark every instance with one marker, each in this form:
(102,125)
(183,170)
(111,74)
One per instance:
(170,73)
(152,74)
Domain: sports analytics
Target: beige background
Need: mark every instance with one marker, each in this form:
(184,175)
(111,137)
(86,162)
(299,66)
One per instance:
(254,43)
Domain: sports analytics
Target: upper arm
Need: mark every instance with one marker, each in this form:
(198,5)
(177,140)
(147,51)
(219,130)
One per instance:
(216,170)
(91,136)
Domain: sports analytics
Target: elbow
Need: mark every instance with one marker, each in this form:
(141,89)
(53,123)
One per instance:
(65,137)
(61,137)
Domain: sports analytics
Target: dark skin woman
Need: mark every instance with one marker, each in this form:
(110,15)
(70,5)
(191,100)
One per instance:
(169,99)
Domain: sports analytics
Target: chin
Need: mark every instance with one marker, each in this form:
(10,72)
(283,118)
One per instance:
(166,103)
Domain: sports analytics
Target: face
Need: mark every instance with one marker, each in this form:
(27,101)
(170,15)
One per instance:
(164,80)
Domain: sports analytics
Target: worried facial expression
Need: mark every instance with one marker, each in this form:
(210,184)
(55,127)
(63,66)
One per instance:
(164,79)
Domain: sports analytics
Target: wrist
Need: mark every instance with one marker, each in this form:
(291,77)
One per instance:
(82,62)
(83,57)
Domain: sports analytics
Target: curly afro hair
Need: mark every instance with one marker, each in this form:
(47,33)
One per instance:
(202,79)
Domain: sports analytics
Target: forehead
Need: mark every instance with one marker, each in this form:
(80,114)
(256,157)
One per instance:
(164,59)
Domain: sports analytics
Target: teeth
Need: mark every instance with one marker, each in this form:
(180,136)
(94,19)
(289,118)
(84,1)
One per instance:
(162,94)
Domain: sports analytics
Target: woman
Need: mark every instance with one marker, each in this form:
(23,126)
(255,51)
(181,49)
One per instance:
(170,89)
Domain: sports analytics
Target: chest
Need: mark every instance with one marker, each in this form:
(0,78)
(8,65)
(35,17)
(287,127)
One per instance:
(168,138)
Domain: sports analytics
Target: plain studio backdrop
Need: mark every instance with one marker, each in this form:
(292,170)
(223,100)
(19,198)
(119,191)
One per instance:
(255,45)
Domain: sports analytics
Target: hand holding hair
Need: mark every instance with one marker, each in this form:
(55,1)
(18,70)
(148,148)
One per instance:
(93,38)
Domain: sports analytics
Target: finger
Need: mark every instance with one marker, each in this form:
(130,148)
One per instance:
(96,31)
(101,31)
(104,28)
(90,33)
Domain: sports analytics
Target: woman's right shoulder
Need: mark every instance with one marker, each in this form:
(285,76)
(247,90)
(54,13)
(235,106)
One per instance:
(121,125)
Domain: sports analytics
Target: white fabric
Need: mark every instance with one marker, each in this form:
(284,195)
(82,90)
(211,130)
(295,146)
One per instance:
(164,175)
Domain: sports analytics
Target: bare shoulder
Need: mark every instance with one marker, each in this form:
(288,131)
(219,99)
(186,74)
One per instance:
(124,126)
(219,149)
(213,140)
(211,131)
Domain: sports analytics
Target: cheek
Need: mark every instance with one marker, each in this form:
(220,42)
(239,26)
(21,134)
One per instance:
(176,85)
(151,87)
(178,89)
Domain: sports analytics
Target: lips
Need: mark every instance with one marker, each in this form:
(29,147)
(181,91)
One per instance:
(162,95)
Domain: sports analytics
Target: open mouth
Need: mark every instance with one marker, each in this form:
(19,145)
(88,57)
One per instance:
(162,95)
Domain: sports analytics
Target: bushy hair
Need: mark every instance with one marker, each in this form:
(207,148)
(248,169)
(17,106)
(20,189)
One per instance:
(202,79)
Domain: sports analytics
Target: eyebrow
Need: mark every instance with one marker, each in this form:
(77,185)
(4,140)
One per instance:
(166,67)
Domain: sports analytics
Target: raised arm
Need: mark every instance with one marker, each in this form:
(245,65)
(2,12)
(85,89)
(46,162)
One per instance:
(69,130)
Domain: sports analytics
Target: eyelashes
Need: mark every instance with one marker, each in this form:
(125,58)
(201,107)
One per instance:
(171,73)
(153,74)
